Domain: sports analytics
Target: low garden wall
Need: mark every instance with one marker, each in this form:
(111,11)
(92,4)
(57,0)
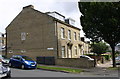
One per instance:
(75,62)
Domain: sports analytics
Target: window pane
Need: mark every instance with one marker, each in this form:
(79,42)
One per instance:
(75,50)
(79,36)
(63,51)
(75,36)
(69,34)
(62,33)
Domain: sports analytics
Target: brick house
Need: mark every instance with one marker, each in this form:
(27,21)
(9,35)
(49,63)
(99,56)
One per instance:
(34,33)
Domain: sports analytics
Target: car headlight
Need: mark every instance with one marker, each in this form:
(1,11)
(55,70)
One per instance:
(35,63)
(1,71)
(27,62)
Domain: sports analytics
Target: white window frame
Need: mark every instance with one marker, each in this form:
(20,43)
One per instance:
(63,51)
(75,50)
(79,37)
(62,33)
(75,36)
(69,34)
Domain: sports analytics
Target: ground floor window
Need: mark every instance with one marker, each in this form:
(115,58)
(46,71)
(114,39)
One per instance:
(75,48)
(63,51)
(69,52)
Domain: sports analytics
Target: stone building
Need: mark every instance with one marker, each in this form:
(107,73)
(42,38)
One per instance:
(2,43)
(34,34)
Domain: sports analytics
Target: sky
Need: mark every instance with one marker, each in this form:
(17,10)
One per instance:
(9,9)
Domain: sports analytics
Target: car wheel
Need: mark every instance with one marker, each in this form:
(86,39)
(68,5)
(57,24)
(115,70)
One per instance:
(22,66)
(9,74)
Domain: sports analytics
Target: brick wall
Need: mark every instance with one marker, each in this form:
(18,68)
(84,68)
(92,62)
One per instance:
(75,62)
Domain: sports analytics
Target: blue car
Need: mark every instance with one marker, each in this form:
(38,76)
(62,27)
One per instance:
(22,62)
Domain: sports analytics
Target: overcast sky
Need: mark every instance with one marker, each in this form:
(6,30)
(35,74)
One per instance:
(9,9)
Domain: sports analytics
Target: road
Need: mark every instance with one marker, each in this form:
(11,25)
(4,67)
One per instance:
(95,72)
(40,73)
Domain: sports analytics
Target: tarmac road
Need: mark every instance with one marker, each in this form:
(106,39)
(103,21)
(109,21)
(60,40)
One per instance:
(99,71)
(93,72)
(40,73)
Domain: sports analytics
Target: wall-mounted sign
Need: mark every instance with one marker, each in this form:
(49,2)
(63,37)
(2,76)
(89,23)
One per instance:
(50,48)
(23,51)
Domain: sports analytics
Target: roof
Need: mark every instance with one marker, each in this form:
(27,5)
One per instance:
(56,13)
(67,24)
(55,19)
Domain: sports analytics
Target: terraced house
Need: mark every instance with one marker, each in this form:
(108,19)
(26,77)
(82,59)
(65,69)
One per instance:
(35,34)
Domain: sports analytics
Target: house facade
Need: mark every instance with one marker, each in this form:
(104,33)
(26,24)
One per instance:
(2,43)
(35,34)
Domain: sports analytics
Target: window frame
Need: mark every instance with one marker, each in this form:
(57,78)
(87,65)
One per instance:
(63,52)
(75,50)
(69,34)
(79,37)
(75,36)
(62,31)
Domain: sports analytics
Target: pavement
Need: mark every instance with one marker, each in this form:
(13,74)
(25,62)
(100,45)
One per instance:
(101,70)
(106,64)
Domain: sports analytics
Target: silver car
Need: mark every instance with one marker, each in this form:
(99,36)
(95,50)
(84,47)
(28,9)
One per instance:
(86,57)
(117,59)
(5,71)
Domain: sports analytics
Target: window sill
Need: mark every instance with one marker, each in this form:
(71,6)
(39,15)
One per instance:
(69,39)
(63,38)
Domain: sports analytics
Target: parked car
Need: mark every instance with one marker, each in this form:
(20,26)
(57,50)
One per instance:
(86,57)
(22,62)
(4,59)
(5,71)
(117,59)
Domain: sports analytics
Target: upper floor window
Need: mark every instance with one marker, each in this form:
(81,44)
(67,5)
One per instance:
(62,33)
(69,34)
(79,37)
(75,38)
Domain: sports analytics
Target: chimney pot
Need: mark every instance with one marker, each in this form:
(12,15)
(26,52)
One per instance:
(29,6)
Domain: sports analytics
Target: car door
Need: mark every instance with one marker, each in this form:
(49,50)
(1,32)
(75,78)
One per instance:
(18,62)
(13,61)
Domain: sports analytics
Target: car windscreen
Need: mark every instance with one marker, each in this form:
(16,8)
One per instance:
(117,57)
(27,58)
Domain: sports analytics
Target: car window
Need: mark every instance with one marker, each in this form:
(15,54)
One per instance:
(1,57)
(84,57)
(27,58)
(118,57)
(17,58)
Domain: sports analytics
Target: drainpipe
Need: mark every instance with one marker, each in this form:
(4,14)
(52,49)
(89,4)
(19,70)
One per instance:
(57,37)
(2,43)
(6,45)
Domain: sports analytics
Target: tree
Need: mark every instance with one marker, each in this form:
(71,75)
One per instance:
(100,48)
(102,20)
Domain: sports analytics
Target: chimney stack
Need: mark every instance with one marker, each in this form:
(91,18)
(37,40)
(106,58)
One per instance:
(29,6)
